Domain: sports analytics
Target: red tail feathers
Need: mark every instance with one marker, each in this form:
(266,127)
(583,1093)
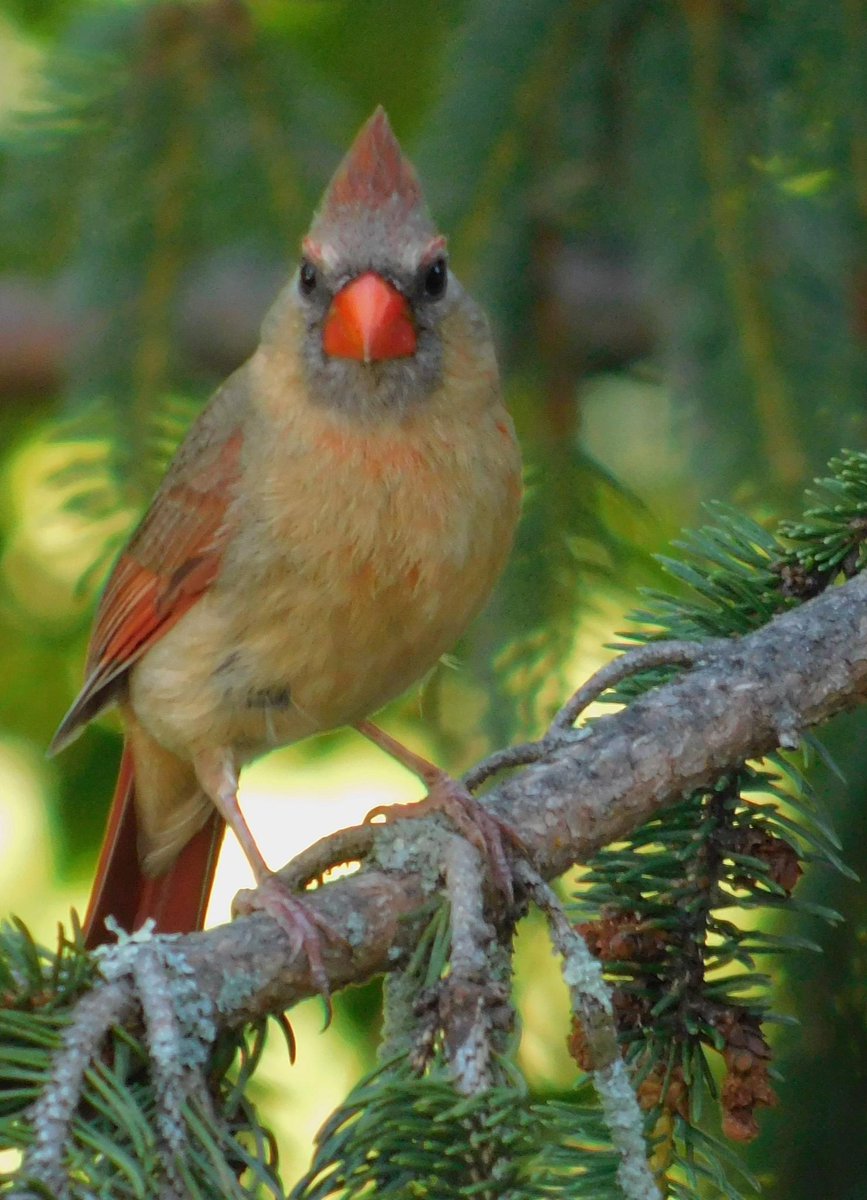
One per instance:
(176,900)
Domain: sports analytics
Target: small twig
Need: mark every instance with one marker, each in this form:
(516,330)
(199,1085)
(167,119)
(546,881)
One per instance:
(591,1003)
(411,997)
(502,760)
(52,1114)
(591,998)
(673,653)
(403,1035)
(346,845)
(465,1005)
(173,1077)
(643,658)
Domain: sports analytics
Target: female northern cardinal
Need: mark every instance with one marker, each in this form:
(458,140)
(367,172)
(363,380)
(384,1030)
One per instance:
(334,519)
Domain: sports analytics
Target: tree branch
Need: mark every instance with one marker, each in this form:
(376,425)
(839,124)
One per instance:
(750,696)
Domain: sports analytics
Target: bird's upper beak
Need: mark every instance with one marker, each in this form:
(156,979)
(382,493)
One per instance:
(369,320)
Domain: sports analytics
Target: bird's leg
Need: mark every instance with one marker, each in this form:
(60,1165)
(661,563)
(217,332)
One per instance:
(445,794)
(218,778)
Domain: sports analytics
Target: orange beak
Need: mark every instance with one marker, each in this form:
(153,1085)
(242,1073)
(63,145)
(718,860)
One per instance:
(369,320)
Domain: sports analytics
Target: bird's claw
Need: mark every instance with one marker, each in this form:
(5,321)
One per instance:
(301,923)
(475,822)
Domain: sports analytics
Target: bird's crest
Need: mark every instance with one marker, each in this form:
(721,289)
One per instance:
(374,171)
(375,183)
(374,174)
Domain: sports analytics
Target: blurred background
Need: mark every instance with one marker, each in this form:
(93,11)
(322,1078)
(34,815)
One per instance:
(662,206)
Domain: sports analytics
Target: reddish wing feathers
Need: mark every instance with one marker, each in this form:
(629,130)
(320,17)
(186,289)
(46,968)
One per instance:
(171,560)
(173,557)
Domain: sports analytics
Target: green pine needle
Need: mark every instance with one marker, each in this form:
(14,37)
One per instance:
(400,1136)
(113,1150)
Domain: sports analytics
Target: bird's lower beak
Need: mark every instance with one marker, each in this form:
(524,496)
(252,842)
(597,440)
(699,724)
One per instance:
(369,320)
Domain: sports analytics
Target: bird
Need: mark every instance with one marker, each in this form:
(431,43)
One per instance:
(336,516)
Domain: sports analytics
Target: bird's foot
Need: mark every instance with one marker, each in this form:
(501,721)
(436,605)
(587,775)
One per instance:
(301,923)
(488,833)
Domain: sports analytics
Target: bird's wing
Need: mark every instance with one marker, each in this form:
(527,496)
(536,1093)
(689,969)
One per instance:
(170,561)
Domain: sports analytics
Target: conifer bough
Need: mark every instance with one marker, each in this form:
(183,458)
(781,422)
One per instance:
(751,696)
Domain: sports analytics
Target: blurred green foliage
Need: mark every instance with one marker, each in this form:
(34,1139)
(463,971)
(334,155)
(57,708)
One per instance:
(663,208)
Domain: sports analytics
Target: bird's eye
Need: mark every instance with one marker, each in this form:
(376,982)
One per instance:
(307,278)
(435,278)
